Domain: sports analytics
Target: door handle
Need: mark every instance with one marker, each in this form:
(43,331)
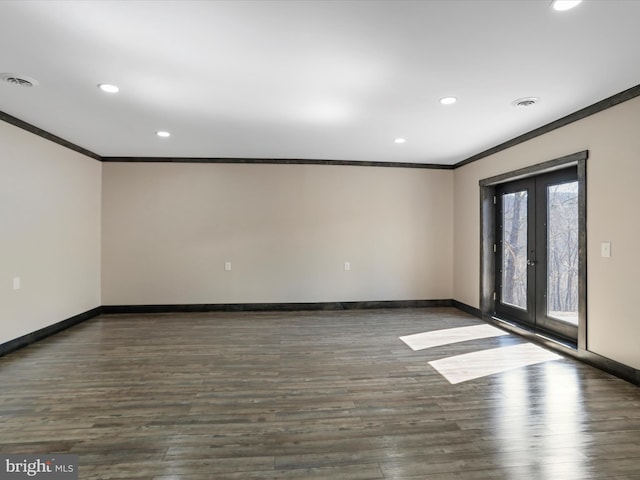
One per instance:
(531,263)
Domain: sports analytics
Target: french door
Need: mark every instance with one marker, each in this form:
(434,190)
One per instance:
(537,253)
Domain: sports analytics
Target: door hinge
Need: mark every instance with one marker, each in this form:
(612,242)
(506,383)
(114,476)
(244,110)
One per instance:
(495,297)
(495,248)
(495,200)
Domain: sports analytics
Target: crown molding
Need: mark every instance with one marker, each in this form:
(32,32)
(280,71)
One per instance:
(561,122)
(597,107)
(46,135)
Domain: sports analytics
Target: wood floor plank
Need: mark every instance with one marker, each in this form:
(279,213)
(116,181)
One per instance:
(319,395)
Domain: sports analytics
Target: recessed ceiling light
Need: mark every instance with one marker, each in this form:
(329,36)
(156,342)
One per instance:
(448,100)
(563,5)
(163,134)
(105,87)
(399,140)
(525,102)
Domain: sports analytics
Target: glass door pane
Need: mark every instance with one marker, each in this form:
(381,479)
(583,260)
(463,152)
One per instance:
(562,252)
(537,263)
(514,249)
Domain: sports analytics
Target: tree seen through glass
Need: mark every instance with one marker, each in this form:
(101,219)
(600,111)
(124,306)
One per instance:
(562,252)
(514,249)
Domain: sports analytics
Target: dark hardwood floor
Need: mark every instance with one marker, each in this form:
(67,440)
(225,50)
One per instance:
(318,395)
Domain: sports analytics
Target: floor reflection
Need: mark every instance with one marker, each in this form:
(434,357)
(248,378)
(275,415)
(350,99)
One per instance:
(540,411)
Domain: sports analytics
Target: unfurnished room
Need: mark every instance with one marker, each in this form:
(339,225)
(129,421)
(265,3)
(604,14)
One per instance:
(319,239)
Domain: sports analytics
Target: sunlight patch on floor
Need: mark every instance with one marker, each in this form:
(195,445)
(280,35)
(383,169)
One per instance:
(469,366)
(420,341)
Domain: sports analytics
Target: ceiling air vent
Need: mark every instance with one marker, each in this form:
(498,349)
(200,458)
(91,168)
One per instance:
(525,102)
(19,80)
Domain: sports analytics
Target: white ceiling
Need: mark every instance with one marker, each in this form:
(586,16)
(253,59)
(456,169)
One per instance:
(306,79)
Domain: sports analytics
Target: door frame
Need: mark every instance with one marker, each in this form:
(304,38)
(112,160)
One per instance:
(487,236)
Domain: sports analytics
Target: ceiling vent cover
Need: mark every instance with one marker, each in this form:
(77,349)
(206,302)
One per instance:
(525,102)
(19,80)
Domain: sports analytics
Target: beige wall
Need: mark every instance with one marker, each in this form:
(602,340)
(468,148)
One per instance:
(49,232)
(287,229)
(613,197)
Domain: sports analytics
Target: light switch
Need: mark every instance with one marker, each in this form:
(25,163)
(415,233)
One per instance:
(227,266)
(605,249)
(347,266)
(16,283)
